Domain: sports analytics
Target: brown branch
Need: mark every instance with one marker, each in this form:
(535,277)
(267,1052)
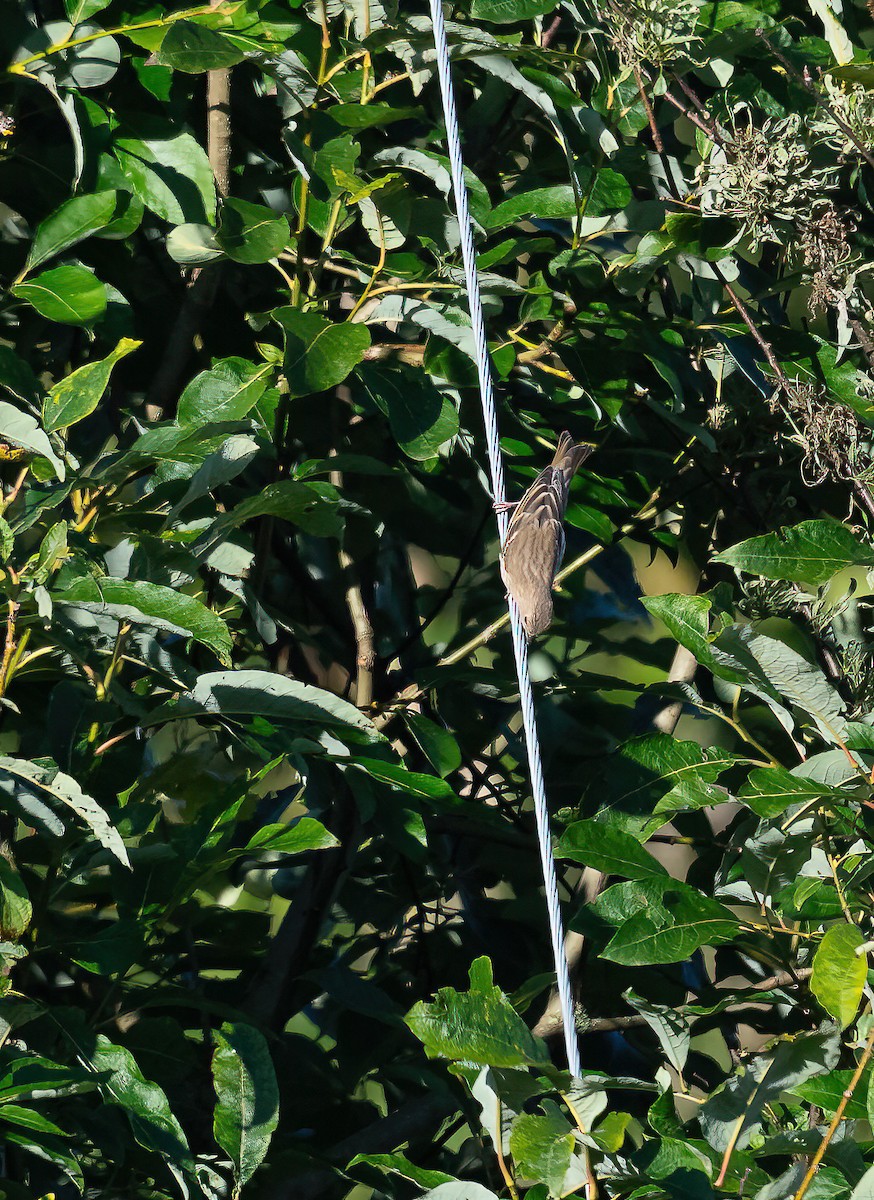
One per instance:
(201,291)
(9,644)
(693,117)
(782,979)
(550,31)
(267,998)
(715,131)
(650,115)
(745,315)
(682,670)
(218,123)
(365,652)
(865,343)
(836,1119)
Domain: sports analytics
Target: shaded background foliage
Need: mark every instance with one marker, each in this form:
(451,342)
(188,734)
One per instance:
(263,789)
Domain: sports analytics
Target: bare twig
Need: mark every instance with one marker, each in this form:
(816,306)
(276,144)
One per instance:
(365,656)
(836,1119)
(365,653)
(693,117)
(201,291)
(9,644)
(218,117)
(650,115)
(682,670)
(782,979)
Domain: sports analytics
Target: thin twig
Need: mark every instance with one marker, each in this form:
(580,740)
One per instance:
(682,670)
(9,644)
(650,115)
(782,979)
(745,315)
(836,1119)
(365,656)
(692,116)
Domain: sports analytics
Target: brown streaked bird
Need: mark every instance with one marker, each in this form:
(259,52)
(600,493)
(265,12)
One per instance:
(534,546)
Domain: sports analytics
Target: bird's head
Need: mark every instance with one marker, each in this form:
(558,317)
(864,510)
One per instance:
(538,616)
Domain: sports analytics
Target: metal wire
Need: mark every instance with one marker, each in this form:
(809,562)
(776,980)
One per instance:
(496,470)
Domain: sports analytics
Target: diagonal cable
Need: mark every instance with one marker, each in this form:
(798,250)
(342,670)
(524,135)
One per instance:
(496,471)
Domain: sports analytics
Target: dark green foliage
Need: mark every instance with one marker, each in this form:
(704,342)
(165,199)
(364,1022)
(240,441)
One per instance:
(271,915)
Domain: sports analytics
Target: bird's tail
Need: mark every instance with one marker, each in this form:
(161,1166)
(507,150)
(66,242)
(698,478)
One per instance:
(569,457)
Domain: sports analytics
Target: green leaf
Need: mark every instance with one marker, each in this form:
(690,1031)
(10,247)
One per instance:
(774,669)
(398,1164)
(22,429)
(670,1027)
(52,552)
(145,1104)
(413,782)
(547,203)
(227,392)
(112,951)
(687,619)
(170,173)
(319,354)
(437,744)
(18,378)
(365,116)
(247,1098)
(44,778)
(769,791)
(78,394)
(421,419)
(81,10)
(251,233)
(303,504)
(70,295)
(864,1189)
(607,848)
(506,11)
(29,1118)
(70,224)
(812,552)
(152,605)
(266,694)
(7,539)
(193,245)
(542,1147)
(653,776)
(479,1026)
(732,1115)
(827,1092)
(15,906)
(608,191)
(839,973)
(195,49)
(305,834)
(79,59)
(661,920)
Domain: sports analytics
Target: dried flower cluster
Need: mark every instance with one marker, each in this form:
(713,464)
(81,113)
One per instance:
(854,105)
(651,31)
(826,250)
(766,180)
(829,433)
(857,668)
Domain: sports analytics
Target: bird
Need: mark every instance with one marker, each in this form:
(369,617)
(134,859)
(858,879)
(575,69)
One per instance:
(535,541)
